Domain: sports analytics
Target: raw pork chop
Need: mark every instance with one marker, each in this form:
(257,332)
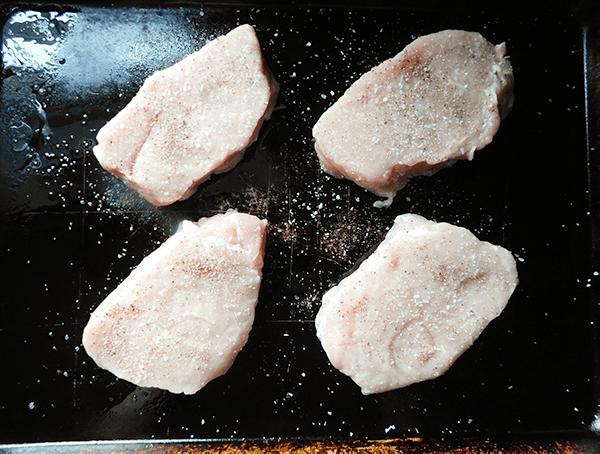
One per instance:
(191,120)
(414,305)
(181,317)
(436,102)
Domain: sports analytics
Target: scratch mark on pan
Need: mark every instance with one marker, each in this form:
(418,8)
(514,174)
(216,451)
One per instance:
(292,241)
(348,202)
(291,268)
(329,259)
(135,231)
(268,198)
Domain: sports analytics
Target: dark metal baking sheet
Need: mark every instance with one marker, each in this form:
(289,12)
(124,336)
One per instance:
(70,232)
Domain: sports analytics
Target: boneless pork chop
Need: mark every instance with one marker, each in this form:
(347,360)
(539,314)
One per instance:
(436,102)
(414,305)
(181,317)
(191,120)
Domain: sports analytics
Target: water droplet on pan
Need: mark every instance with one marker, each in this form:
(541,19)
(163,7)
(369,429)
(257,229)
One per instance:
(22,134)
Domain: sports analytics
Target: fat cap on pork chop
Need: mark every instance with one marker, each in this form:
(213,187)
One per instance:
(415,305)
(437,101)
(191,120)
(181,317)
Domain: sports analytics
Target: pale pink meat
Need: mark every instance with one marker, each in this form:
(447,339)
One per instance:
(181,317)
(437,101)
(191,120)
(415,305)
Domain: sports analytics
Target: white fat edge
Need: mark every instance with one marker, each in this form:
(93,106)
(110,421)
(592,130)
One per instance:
(500,50)
(384,203)
(503,76)
(471,153)
(238,247)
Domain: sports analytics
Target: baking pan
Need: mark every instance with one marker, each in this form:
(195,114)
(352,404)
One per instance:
(70,232)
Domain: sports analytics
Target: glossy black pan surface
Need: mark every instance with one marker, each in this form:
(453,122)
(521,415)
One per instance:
(70,232)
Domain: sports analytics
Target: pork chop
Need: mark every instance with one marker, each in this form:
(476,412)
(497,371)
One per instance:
(436,102)
(191,120)
(415,305)
(181,317)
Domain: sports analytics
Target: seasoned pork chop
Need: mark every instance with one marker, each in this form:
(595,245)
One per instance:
(414,305)
(191,120)
(181,317)
(436,102)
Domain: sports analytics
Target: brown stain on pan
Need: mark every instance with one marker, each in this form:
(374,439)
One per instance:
(399,445)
